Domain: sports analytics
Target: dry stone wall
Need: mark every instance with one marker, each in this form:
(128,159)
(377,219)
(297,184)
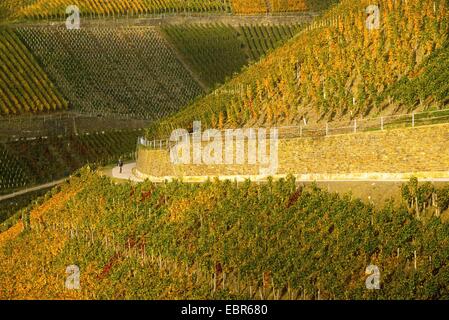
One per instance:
(407,150)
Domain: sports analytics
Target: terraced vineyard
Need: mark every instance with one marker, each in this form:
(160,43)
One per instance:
(106,8)
(273,239)
(314,77)
(113,70)
(24,86)
(223,240)
(38,9)
(11,209)
(428,85)
(279,6)
(288,5)
(262,39)
(29,162)
(12,174)
(250,6)
(213,50)
(217,51)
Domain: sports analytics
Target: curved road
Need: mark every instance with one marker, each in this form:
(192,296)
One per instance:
(127,174)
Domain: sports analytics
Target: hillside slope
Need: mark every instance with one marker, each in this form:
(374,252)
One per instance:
(219,240)
(37,9)
(335,69)
(217,51)
(104,8)
(41,160)
(428,84)
(24,86)
(133,71)
(116,70)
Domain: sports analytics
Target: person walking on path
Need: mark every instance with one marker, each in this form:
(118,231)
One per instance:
(120,164)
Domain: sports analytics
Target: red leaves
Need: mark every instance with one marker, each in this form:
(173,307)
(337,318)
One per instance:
(218,268)
(131,242)
(146,195)
(294,197)
(266,279)
(107,268)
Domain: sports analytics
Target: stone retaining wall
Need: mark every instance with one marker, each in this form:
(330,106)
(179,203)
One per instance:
(396,151)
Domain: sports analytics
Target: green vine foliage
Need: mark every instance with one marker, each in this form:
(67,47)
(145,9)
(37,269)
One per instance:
(425,198)
(336,69)
(154,242)
(430,84)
